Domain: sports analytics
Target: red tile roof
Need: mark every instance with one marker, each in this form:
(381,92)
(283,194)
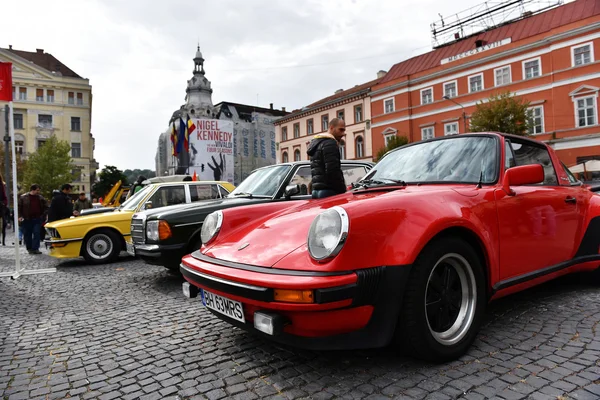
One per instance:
(46,61)
(518,30)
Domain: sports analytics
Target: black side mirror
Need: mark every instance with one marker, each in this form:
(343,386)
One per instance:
(291,190)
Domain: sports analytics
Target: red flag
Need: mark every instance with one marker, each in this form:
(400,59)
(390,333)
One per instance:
(5,81)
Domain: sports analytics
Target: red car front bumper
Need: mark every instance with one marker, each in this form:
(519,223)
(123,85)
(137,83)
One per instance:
(351,309)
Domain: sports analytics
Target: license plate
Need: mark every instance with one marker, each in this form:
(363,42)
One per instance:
(222,305)
(130,248)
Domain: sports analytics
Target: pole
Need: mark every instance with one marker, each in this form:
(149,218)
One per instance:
(6,157)
(464,119)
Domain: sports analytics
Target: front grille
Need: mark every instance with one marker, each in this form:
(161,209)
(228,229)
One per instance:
(368,285)
(138,233)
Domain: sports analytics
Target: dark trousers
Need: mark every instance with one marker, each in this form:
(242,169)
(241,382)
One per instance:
(31,233)
(321,194)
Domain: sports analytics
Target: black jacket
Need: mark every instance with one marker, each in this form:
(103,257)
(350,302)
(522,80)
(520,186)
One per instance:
(60,208)
(325,165)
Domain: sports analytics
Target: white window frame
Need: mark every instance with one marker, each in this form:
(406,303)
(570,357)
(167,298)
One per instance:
(343,150)
(451,124)
(482,82)
(591,44)
(426,128)
(362,147)
(425,90)
(542,117)
(299,155)
(388,137)
(455,87)
(393,105)
(509,75)
(539,60)
(285,157)
(595,99)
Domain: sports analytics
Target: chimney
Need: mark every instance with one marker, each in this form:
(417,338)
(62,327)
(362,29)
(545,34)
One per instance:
(283,109)
(40,51)
(338,91)
(271,106)
(381,73)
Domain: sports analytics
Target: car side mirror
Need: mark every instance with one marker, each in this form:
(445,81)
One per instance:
(291,190)
(522,175)
(147,205)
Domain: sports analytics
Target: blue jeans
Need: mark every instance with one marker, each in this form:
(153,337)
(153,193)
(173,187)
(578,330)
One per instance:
(321,194)
(31,233)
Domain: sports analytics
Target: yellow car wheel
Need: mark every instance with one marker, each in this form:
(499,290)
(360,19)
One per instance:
(101,246)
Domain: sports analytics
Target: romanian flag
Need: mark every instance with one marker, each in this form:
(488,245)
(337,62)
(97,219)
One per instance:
(190,129)
(181,137)
(174,139)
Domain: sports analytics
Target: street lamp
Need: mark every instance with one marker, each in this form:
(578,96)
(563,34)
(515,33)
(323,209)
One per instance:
(463,113)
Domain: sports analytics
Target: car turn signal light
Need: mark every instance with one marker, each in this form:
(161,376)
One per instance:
(294,296)
(164,230)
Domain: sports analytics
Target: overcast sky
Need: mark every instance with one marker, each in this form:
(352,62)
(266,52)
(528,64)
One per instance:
(138,54)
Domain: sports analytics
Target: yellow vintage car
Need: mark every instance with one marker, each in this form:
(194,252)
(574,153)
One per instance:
(99,238)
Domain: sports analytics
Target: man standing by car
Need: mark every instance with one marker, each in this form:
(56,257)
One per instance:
(82,203)
(32,207)
(61,206)
(325,161)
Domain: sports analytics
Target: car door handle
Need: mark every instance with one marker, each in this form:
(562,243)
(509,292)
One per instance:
(570,199)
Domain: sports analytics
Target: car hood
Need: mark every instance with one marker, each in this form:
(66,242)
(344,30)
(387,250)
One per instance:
(108,217)
(267,240)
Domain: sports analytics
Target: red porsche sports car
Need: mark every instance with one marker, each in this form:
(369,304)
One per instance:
(411,255)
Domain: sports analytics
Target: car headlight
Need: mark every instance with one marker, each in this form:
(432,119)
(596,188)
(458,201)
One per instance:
(158,230)
(328,233)
(211,226)
(152,230)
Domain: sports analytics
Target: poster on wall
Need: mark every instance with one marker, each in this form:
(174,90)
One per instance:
(211,150)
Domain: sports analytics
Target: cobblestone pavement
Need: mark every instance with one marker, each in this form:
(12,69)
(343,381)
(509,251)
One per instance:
(125,331)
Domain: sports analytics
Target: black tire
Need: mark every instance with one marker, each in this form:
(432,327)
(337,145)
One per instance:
(457,298)
(101,246)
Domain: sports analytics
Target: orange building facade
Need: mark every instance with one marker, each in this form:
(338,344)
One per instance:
(549,59)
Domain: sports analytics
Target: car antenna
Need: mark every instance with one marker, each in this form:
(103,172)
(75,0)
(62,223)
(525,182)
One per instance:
(479,184)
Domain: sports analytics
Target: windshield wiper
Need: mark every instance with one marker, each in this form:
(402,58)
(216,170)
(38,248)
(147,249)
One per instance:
(249,195)
(375,182)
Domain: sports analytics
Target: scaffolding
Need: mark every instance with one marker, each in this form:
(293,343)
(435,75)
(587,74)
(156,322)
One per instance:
(483,17)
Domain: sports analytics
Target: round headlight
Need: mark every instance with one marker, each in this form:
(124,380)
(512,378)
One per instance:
(328,233)
(211,226)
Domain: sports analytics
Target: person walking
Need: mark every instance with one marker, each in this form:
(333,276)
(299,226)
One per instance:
(325,161)
(82,203)
(61,206)
(32,207)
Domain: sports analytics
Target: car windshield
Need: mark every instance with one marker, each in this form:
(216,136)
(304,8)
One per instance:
(262,182)
(132,203)
(459,159)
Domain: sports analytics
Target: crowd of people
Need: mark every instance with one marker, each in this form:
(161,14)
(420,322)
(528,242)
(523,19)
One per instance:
(34,212)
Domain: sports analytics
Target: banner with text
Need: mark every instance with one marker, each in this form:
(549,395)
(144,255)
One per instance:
(211,150)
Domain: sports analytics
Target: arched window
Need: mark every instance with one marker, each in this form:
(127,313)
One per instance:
(343,150)
(297,155)
(284,157)
(360,147)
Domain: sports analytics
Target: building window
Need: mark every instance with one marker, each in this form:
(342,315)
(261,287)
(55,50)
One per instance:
(76,150)
(297,155)
(537,120)
(388,105)
(450,89)
(310,127)
(71,98)
(586,111)
(324,122)
(582,54)
(296,130)
(14,95)
(50,96)
(503,76)
(45,121)
(283,133)
(40,143)
(76,124)
(360,147)
(79,99)
(427,96)
(19,146)
(476,83)
(18,121)
(427,133)
(284,157)
(532,68)
(39,94)
(343,150)
(451,129)
(22,93)
(358,117)
(340,114)
(389,137)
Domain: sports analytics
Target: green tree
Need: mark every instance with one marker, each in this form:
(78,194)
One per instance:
(108,177)
(393,142)
(502,113)
(50,167)
(132,175)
